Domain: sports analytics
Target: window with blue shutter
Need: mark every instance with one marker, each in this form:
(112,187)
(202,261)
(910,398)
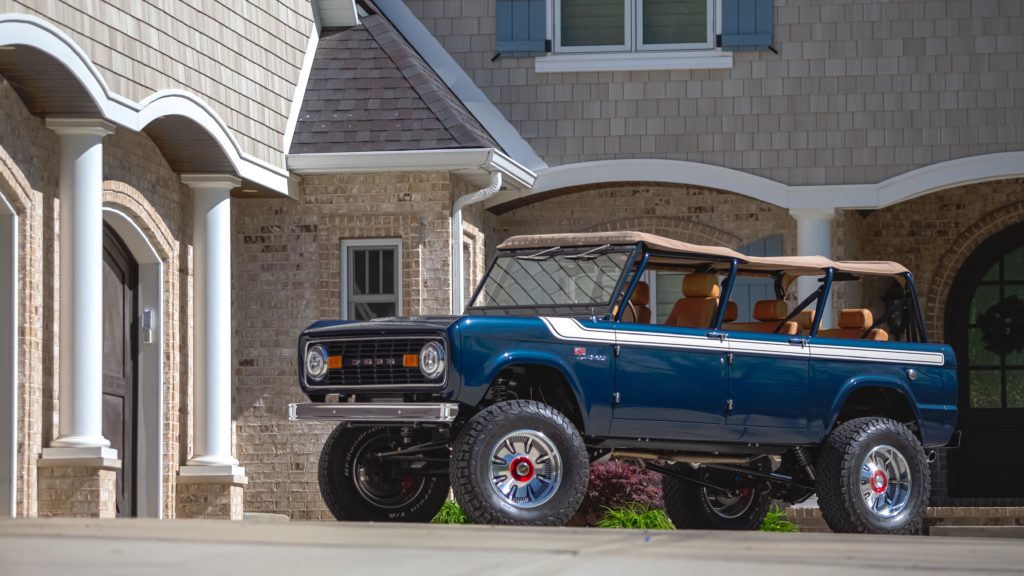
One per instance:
(747,24)
(522,26)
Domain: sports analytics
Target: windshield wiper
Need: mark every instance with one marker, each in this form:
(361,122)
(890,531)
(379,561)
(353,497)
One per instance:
(589,254)
(542,255)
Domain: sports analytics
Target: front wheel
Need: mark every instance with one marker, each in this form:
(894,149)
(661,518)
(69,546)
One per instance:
(519,462)
(358,484)
(692,506)
(873,478)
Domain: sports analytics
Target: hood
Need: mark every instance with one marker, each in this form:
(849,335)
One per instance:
(382,326)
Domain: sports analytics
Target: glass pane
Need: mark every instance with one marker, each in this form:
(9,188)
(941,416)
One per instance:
(992,275)
(357,271)
(1015,388)
(593,23)
(984,298)
(986,389)
(389,272)
(374,271)
(675,21)
(552,280)
(371,310)
(669,288)
(978,353)
(1013,264)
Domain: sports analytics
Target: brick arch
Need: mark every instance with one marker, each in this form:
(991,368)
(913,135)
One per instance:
(685,230)
(955,258)
(134,204)
(14,186)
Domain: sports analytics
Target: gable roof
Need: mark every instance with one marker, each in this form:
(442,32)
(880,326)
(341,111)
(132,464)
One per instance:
(370,91)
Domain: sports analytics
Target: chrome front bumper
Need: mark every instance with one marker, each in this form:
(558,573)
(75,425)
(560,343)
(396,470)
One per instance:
(375,412)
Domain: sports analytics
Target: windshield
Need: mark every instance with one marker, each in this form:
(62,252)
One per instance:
(553,277)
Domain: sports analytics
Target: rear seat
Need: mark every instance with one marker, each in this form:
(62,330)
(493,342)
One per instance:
(852,324)
(769,313)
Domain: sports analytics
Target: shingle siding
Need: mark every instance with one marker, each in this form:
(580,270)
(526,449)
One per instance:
(863,90)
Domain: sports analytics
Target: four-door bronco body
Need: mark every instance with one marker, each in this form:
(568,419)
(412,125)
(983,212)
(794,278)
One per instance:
(557,364)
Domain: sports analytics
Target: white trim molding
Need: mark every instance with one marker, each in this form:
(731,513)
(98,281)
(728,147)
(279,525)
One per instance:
(475,164)
(710,59)
(460,83)
(149,363)
(300,85)
(8,359)
(949,174)
(27,30)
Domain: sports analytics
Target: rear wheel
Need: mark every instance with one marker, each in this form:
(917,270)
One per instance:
(519,462)
(690,505)
(873,478)
(357,484)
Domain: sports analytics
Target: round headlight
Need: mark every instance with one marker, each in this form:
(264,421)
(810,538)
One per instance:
(316,362)
(432,360)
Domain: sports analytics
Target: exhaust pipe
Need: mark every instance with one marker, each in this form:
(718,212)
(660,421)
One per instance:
(932,456)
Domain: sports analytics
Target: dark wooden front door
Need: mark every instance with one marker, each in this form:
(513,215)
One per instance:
(120,282)
(985,325)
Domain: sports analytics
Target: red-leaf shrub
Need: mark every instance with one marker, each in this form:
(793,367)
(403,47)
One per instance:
(614,485)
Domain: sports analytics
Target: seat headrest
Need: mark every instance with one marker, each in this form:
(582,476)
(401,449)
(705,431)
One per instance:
(700,285)
(641,294)
(805,319)
(732,312)
(859,318)
(767,310)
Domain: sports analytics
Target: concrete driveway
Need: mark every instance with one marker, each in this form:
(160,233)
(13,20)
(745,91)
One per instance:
(197,547)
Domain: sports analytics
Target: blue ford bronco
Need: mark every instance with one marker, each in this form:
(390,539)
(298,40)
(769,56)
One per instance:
(559,362)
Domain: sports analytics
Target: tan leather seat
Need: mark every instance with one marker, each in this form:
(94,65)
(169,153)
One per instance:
(640,300)
(697,307)
(732,312)
(805,319)
(768,313)
(852,324)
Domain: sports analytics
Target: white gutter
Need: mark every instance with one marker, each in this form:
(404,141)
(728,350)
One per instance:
(458,298)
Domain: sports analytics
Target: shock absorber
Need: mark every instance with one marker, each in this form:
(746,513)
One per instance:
(805,460)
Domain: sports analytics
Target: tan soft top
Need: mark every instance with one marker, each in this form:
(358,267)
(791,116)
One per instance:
(792,265)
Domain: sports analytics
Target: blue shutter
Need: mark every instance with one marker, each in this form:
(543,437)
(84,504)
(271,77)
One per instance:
(747,24)
(522,26)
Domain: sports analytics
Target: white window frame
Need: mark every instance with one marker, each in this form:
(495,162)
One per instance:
(709,29)
(346,285)
(627,33)
(633,32)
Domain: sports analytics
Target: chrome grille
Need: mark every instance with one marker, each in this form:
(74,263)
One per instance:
(375,362)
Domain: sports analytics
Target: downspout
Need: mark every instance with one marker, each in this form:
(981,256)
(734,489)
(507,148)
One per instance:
(458,298)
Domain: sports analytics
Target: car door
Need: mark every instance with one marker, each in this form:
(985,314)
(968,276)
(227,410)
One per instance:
(768,385)
(670,382)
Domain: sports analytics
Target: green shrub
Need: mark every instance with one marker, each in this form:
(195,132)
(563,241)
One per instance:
(775,521)
(635,515)
(450,513)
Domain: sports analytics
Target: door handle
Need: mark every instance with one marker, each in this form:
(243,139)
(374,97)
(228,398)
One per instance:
(801,341)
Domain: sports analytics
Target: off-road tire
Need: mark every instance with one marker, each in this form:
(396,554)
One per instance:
(343,497)
(470,473)
(688,508)
(839,468)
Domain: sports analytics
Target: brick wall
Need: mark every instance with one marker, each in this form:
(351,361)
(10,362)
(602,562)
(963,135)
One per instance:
(287,274)
(243,58)
(860,91)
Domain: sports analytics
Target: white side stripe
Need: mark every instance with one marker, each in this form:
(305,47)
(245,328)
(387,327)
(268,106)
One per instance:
(572,330)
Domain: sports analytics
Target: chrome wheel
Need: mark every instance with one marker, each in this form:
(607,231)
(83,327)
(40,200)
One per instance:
(885,481)
(526,468)
(729,505)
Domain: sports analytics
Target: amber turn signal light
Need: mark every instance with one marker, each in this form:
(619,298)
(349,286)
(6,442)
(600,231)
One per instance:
(334,362)
(411,360)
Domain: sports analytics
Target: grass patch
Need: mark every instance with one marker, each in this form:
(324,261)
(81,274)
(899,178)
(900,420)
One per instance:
(450,513)
(775,521)
(635,515)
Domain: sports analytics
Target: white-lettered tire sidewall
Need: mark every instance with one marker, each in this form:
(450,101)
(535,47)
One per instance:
(337,484)
(915,458)
(479,445)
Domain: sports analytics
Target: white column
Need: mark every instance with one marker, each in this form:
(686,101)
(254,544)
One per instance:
(81,284)
(813,238)
(211,259)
